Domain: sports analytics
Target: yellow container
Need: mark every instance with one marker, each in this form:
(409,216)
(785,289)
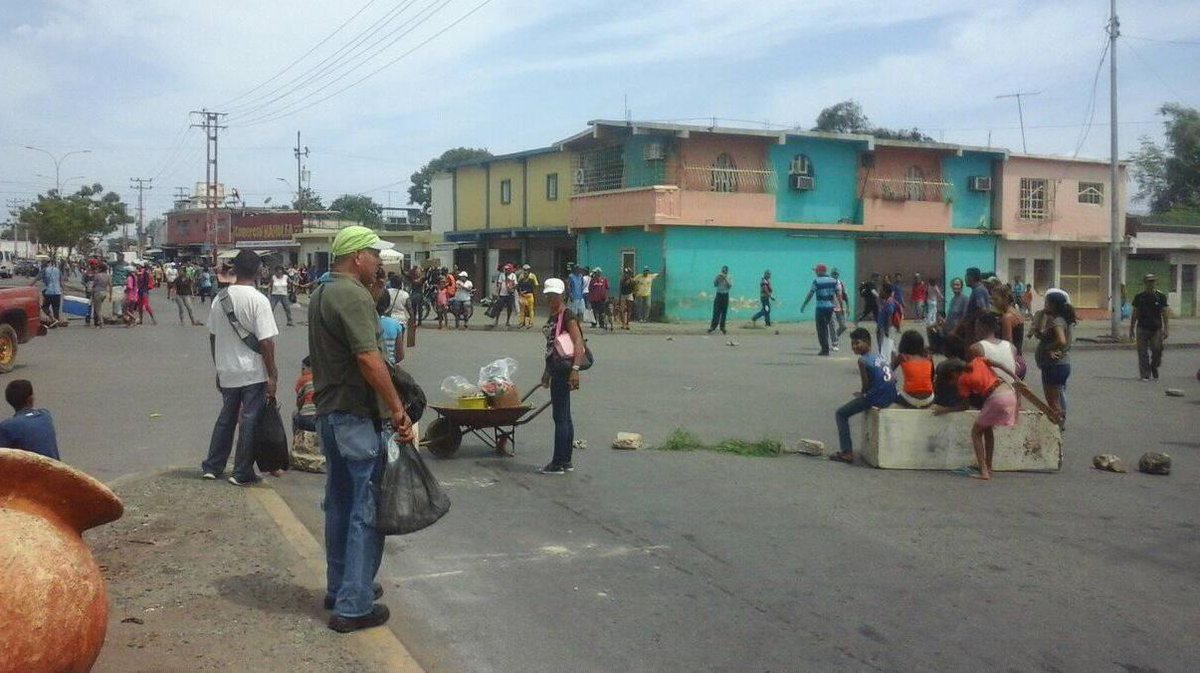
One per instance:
(472,402)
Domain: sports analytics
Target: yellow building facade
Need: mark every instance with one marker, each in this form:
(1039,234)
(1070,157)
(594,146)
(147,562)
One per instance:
(513,209)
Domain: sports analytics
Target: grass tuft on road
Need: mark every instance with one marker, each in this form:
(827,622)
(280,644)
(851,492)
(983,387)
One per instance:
(682,440)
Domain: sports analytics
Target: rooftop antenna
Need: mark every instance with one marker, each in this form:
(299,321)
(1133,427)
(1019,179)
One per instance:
(1021,112)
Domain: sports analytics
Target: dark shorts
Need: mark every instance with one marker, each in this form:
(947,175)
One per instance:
(1056,375)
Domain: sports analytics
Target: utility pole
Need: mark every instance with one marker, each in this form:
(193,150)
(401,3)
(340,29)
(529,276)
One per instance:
(212,126)
(1114,246)
(1021,112)
(15,205)
(300,178)
(141,185)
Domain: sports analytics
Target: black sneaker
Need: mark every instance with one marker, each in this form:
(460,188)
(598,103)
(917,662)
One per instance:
(569,467)
(553,468)
(330,601)
(1154,373)
(378,616)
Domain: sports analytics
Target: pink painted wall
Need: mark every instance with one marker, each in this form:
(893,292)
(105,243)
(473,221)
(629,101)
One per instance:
(702,150)
(1069,220)
(907,216)
(892,163)
(727,209)
(625,208)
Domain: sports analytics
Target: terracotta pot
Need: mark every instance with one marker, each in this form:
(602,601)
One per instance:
(53,604)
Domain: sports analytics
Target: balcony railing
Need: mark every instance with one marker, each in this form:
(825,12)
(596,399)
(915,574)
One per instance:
(891,189)
(713,179)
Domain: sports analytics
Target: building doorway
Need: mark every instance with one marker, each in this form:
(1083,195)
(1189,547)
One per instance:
(904,256)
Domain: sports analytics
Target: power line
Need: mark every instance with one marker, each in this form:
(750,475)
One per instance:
(1161,41)
(303,56)
(332,61)
(422,16)
(1090,112)
(371,74)
(1154,71)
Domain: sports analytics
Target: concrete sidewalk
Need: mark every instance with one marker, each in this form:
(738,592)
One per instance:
(205,576)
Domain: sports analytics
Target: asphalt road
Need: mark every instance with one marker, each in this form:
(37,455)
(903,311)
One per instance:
(656,561)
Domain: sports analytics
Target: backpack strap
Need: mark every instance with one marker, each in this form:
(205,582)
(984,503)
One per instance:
(242,333)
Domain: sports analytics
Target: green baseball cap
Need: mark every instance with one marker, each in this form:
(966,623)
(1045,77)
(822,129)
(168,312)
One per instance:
(357,237)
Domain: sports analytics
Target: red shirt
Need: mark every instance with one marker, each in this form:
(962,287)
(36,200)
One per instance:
(598,290)
(920,292)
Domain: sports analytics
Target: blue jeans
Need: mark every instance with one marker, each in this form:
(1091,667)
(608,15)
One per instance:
(764,312)
(239,406)
(355,454)
(852,408)
(564,428)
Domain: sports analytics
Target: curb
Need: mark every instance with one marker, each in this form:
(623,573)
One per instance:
(380,647)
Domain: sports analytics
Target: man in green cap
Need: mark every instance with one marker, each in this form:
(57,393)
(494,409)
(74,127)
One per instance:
(357,409)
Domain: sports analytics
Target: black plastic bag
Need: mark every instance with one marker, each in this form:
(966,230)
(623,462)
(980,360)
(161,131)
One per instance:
(410,497)
(270,439)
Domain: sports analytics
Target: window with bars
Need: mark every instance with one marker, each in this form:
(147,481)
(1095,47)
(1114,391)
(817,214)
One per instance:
(505,192)
(801,165)
(1091,193)
(1082,276)
(724,174)
(552,187)
(1034,199)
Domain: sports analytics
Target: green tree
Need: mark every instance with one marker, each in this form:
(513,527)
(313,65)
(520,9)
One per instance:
(309,201)
(361,209)
(844,117)
(63,222)
(1168,176)
(848,117)
(419,192)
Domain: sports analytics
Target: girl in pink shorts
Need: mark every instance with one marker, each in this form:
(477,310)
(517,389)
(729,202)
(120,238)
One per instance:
(977,381)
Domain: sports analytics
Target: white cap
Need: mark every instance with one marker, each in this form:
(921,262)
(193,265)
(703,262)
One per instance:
(554,286)
(1055,290)
(462,274)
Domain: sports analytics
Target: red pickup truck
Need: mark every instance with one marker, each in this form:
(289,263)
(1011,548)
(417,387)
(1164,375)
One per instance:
(20,321)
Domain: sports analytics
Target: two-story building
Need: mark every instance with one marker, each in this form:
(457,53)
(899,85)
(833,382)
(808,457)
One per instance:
(1055,226)
(687,200)
(512,208)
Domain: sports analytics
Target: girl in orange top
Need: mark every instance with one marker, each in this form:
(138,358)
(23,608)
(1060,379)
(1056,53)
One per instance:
(913,362)
(999,404)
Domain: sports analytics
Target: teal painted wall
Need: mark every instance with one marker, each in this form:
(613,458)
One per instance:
(695,255)
(835,169)
(972,210)
(967,251)
(638,171)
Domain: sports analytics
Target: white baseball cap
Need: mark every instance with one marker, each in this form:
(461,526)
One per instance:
(462,274)
(553,286)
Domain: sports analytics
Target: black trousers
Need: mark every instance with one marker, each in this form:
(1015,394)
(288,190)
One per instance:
(720,311)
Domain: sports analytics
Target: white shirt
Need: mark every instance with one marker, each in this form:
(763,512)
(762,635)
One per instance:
(502,283)
(399,307)
(172,274)
(463,291)
(279,285)
(237,365)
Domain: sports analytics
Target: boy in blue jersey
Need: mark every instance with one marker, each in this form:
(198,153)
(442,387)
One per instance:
(29,429)
(878,390)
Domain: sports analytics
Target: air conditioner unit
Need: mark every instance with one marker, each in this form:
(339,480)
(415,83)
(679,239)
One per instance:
(654,152)
(980,183)
(802,183)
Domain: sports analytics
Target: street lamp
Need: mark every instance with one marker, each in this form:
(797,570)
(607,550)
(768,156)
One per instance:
(289,184)
(64,181)
(57,163)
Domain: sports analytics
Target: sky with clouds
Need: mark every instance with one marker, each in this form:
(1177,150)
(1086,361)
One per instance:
(119,78)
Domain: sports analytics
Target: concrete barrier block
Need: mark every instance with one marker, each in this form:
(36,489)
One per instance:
(915,439)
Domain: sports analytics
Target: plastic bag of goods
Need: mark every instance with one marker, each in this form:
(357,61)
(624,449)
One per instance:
(458,386)
(496,382)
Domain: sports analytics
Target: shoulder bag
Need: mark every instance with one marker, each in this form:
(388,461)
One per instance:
(242,333)
(562,359)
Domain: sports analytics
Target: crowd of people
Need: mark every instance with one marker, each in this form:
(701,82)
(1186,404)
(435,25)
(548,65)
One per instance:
(980,334)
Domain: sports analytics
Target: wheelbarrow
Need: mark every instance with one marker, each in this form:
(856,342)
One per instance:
(495,426)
